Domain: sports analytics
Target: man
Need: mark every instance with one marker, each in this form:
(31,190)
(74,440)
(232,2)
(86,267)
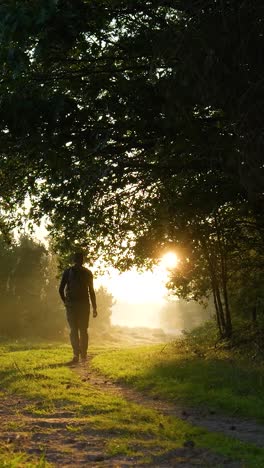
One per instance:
(76,289)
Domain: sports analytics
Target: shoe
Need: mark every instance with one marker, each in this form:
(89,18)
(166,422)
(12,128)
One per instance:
(74,361)
(84,358)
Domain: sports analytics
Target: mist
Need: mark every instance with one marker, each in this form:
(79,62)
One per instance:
(146,315)
(171,315)
(178,315)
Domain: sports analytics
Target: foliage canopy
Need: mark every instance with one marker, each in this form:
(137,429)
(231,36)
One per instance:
(137,125)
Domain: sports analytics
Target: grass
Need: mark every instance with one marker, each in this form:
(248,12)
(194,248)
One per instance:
(187,373)
(39,375)
(10,459)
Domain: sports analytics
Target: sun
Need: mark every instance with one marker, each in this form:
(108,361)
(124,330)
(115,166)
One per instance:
(169,260)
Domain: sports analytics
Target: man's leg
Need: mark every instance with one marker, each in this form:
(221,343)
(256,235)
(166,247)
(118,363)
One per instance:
(83,327)
(74,335)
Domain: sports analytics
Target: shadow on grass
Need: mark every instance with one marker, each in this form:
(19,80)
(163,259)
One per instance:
(217,384)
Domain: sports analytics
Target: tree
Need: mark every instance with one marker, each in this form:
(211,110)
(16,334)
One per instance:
(30,300)
(124,102)
(84,77)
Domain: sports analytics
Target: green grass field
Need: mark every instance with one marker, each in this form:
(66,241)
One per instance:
(219,382)
(37,373)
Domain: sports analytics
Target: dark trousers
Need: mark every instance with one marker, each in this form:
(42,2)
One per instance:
(78,314)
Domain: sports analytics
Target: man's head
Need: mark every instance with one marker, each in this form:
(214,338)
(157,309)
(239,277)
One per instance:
(78,258)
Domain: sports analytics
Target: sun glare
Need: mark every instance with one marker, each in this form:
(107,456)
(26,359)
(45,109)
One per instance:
(137,288)
(139,296)
(169,260)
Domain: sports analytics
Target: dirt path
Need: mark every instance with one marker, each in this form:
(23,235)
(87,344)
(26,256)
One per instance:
(55,438)
(68,441)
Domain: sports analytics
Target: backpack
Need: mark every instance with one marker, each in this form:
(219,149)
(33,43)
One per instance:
(77,284)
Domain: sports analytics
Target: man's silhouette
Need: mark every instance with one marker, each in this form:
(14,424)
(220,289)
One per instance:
(76,289)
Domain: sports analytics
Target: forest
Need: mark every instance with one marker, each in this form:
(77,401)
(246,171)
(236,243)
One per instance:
(137,128)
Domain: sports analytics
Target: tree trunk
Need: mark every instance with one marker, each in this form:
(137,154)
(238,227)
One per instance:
(220,316)
(221,311)
(223,279)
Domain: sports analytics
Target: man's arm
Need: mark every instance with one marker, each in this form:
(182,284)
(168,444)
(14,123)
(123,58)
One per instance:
(62,285)
(92,294)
